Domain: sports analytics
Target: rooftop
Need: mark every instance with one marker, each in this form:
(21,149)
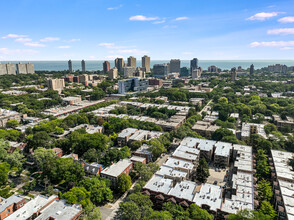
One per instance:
(223,149)
(31,207)
(60,210)
(184,190)
(210,195)
(116,169)
(167,172)
(159,184)
(179,164)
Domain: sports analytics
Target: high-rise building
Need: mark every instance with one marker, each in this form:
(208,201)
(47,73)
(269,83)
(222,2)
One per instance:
(113,74)
(119,64)
(196,73)
(251,69)
(160,70)
(70,66)
(132,85)
(30,68)
(278,68)
(213,69)
(106,67)
(3,70)
(21,68)
(234,74)
(83,79)
(193,64)
(146,63)
(239,69)
(10,68)
(83,66)
(129,71)
(56,84)
(175,66)
(132,62)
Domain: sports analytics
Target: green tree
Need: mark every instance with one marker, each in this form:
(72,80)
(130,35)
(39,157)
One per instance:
(202,171)
(12,123)
(77,195)
(196,213)
(265,190)
(267,209)
(262,167)
(124,183)
(100,192)
(94,214)
(4,169)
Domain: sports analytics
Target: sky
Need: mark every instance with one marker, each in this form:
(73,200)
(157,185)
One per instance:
(161,29)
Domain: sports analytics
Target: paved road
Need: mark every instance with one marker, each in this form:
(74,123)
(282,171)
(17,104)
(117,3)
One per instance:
(205,107)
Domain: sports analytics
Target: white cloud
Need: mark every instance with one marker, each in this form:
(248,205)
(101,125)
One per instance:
(34,44)
(263,16)
(142,18)
(159,22)
(286,20)
(272,44)
(13,36)
(74,40)
(23,40)
(133,51)
(110,46)
(181,18)
(287,48)
(115,8)
(7,51)
(92,57)
(50,39)
(283,31)
(64,47)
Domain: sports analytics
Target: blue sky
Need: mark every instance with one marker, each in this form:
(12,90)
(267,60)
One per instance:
(162,29)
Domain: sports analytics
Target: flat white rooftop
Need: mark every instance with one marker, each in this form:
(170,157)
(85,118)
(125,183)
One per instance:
(127,132)
(31,207)
(60,210)
(184,190)
(116,169)
(179,164)
(210,195)
(223,149)
(159,184)
(170,172)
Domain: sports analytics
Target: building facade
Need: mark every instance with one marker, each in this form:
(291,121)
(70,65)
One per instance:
(146,63)
(161,70)
(56,84)
(119,64)
(70,66)
(132,62)
(193,64)
(175,66)
(106,67)
(83,63)
(132,85)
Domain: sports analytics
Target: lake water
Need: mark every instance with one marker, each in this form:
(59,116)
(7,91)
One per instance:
(98,64)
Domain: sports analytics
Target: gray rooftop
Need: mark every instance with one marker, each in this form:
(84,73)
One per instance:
(59,210)
(116,169)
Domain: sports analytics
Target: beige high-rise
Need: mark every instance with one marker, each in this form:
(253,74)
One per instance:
(56,84)
(146,63)
(132,62)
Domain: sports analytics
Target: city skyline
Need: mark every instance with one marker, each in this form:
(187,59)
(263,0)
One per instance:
(105,30)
